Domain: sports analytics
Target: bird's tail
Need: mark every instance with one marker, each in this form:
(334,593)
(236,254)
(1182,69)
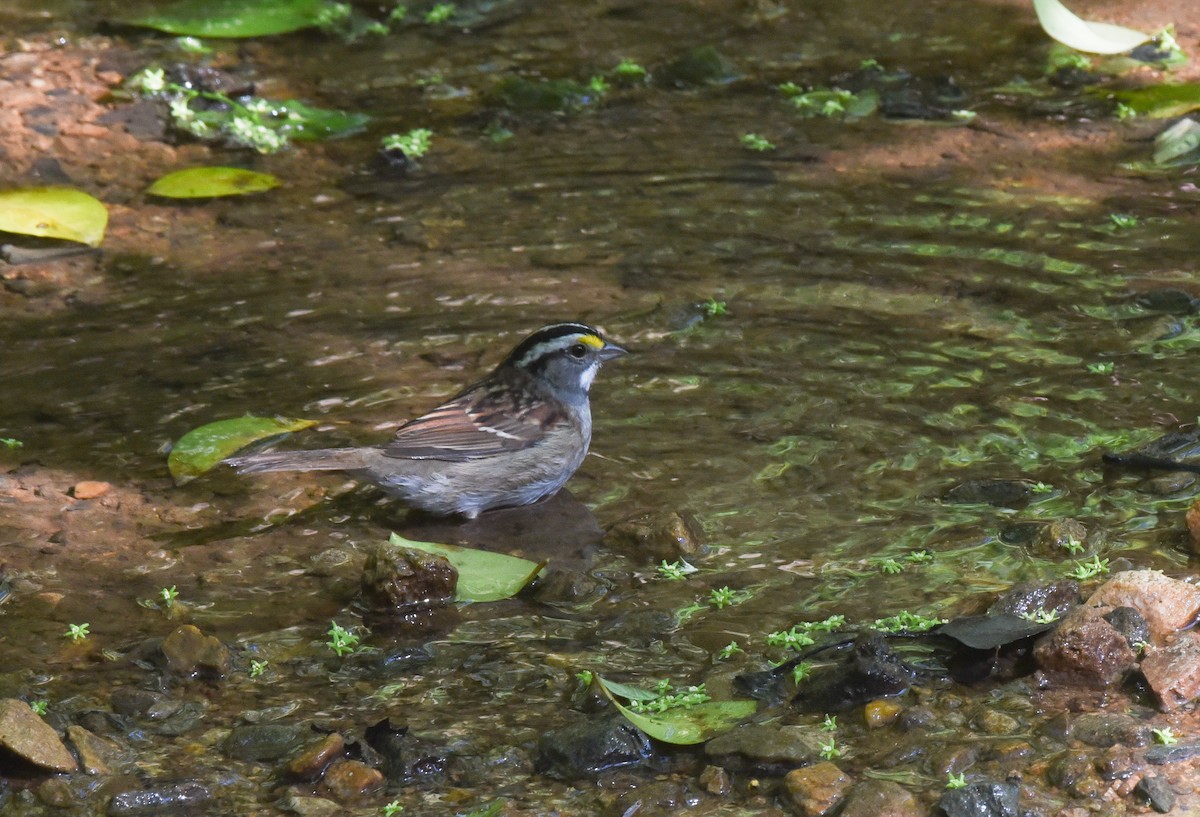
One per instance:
(322,459)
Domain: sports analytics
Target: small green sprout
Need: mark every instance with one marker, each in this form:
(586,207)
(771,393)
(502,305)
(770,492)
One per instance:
(1041,488)
(713,308)
(1125,112)
(830,750)
(1139,647)
(1089,570)
(753,141)
(39,707)
(392,809)
(257,668)
(729,650)
(801,671)
(341,640)
(956,781)
(629,69)
(598,85)
(440,13)
(794,638)
(790,89)
(905,621)
(721,597)
(1123,221)
(584,677)
(675,571)
(829,724)
(398,14)
(191,45)
(77,632)
(1103,367)
(891,566)
(10,443)
(963,115)
(413,144)
(870,64)
(1040,616)
(1165,736)
(1072,546)
(919,557)
(169,594)
(332,15)
(1061,58)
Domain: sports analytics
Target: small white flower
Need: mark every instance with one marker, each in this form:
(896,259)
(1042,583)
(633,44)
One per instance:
(196,127)
(181,110)
(151,80)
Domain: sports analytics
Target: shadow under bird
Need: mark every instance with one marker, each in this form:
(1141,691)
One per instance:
(510,439)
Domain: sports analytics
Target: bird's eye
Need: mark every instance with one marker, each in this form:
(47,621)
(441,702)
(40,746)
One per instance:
(578,351)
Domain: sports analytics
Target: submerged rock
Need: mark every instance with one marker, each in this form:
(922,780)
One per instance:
(404,757)
(310,761)
(192,654)
(405,580)
(351,779)
(654,536)
(1001,493)
(815,790)
(1157,792)
(982,800)
(30,738)
(880,798)
(767,747)
(158,799)
(97,755)
(588,747)
(265,741)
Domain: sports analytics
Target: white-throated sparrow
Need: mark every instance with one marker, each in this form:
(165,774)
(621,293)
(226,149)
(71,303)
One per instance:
(511,439)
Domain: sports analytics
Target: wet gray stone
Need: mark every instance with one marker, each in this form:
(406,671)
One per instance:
(981,800)
(1000,493)
(191,654)
(405,758)
(1104,729)
(766,745)
(1162,755)
(266,741)
(880,798)
(1157,792)
(165,797)
(591,746)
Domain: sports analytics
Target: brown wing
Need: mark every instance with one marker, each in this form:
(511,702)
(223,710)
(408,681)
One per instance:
(462,429)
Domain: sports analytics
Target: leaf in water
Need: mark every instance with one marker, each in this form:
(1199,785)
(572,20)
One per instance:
(684,726)
(482,575)
(1177,142)
(202,448)
(306,123)
(234,18)
(1161,101)
(54,212)
(210,182)
(1094,38)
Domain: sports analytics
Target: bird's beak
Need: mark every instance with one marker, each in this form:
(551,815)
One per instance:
(610,351)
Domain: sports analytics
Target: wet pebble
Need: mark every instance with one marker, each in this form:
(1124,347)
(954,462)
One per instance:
(991,722)
(265,741)
(190,654)
(591,746)
(766,746)
(27,736)
(1000,493)
(57,792)
(351,779)
(1157,792)
(1105,729)
(880,798)
(90,489)
(97,755)
(1173,670)
(1028,599)
(654,536)
(716,781)
(815,790)
(309,806)
(404,579)
(167,797)
(312,760)
(981,800)
(404,757)
(879,714)
(1085,649)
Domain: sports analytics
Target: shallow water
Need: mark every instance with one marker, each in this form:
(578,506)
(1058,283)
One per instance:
(892,328)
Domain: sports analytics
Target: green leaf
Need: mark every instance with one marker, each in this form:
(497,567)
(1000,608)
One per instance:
(234,18)
(1177,143)
(210,182)
(306,123)
(202,448)
(54,212)
(1161,101)
(683,726)
(482,575)
(1094,38)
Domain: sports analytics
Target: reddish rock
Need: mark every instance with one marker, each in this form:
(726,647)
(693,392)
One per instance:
(1173,671)
(312,760)
(1192,518)
(30,738)
(351,779)
(1167,604)
(190,653)
(815,790)
(89,489)
(1085,649)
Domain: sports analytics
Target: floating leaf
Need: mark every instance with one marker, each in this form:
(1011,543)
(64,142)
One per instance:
(234,18)
(683,726)
(1161,101)
(306,123)
(1094,38)
(54,212)
(482,575)
(210,182)
(202,448)
(1177,143)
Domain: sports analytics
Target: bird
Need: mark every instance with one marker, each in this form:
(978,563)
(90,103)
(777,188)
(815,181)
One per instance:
(511,439)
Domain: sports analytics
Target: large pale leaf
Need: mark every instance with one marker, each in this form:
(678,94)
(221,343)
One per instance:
(1161,101)
(683,726)
(1082,35)
(233,18)
(211,182)
(1178,143)
(482,575)
(54,212)
(202,448)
